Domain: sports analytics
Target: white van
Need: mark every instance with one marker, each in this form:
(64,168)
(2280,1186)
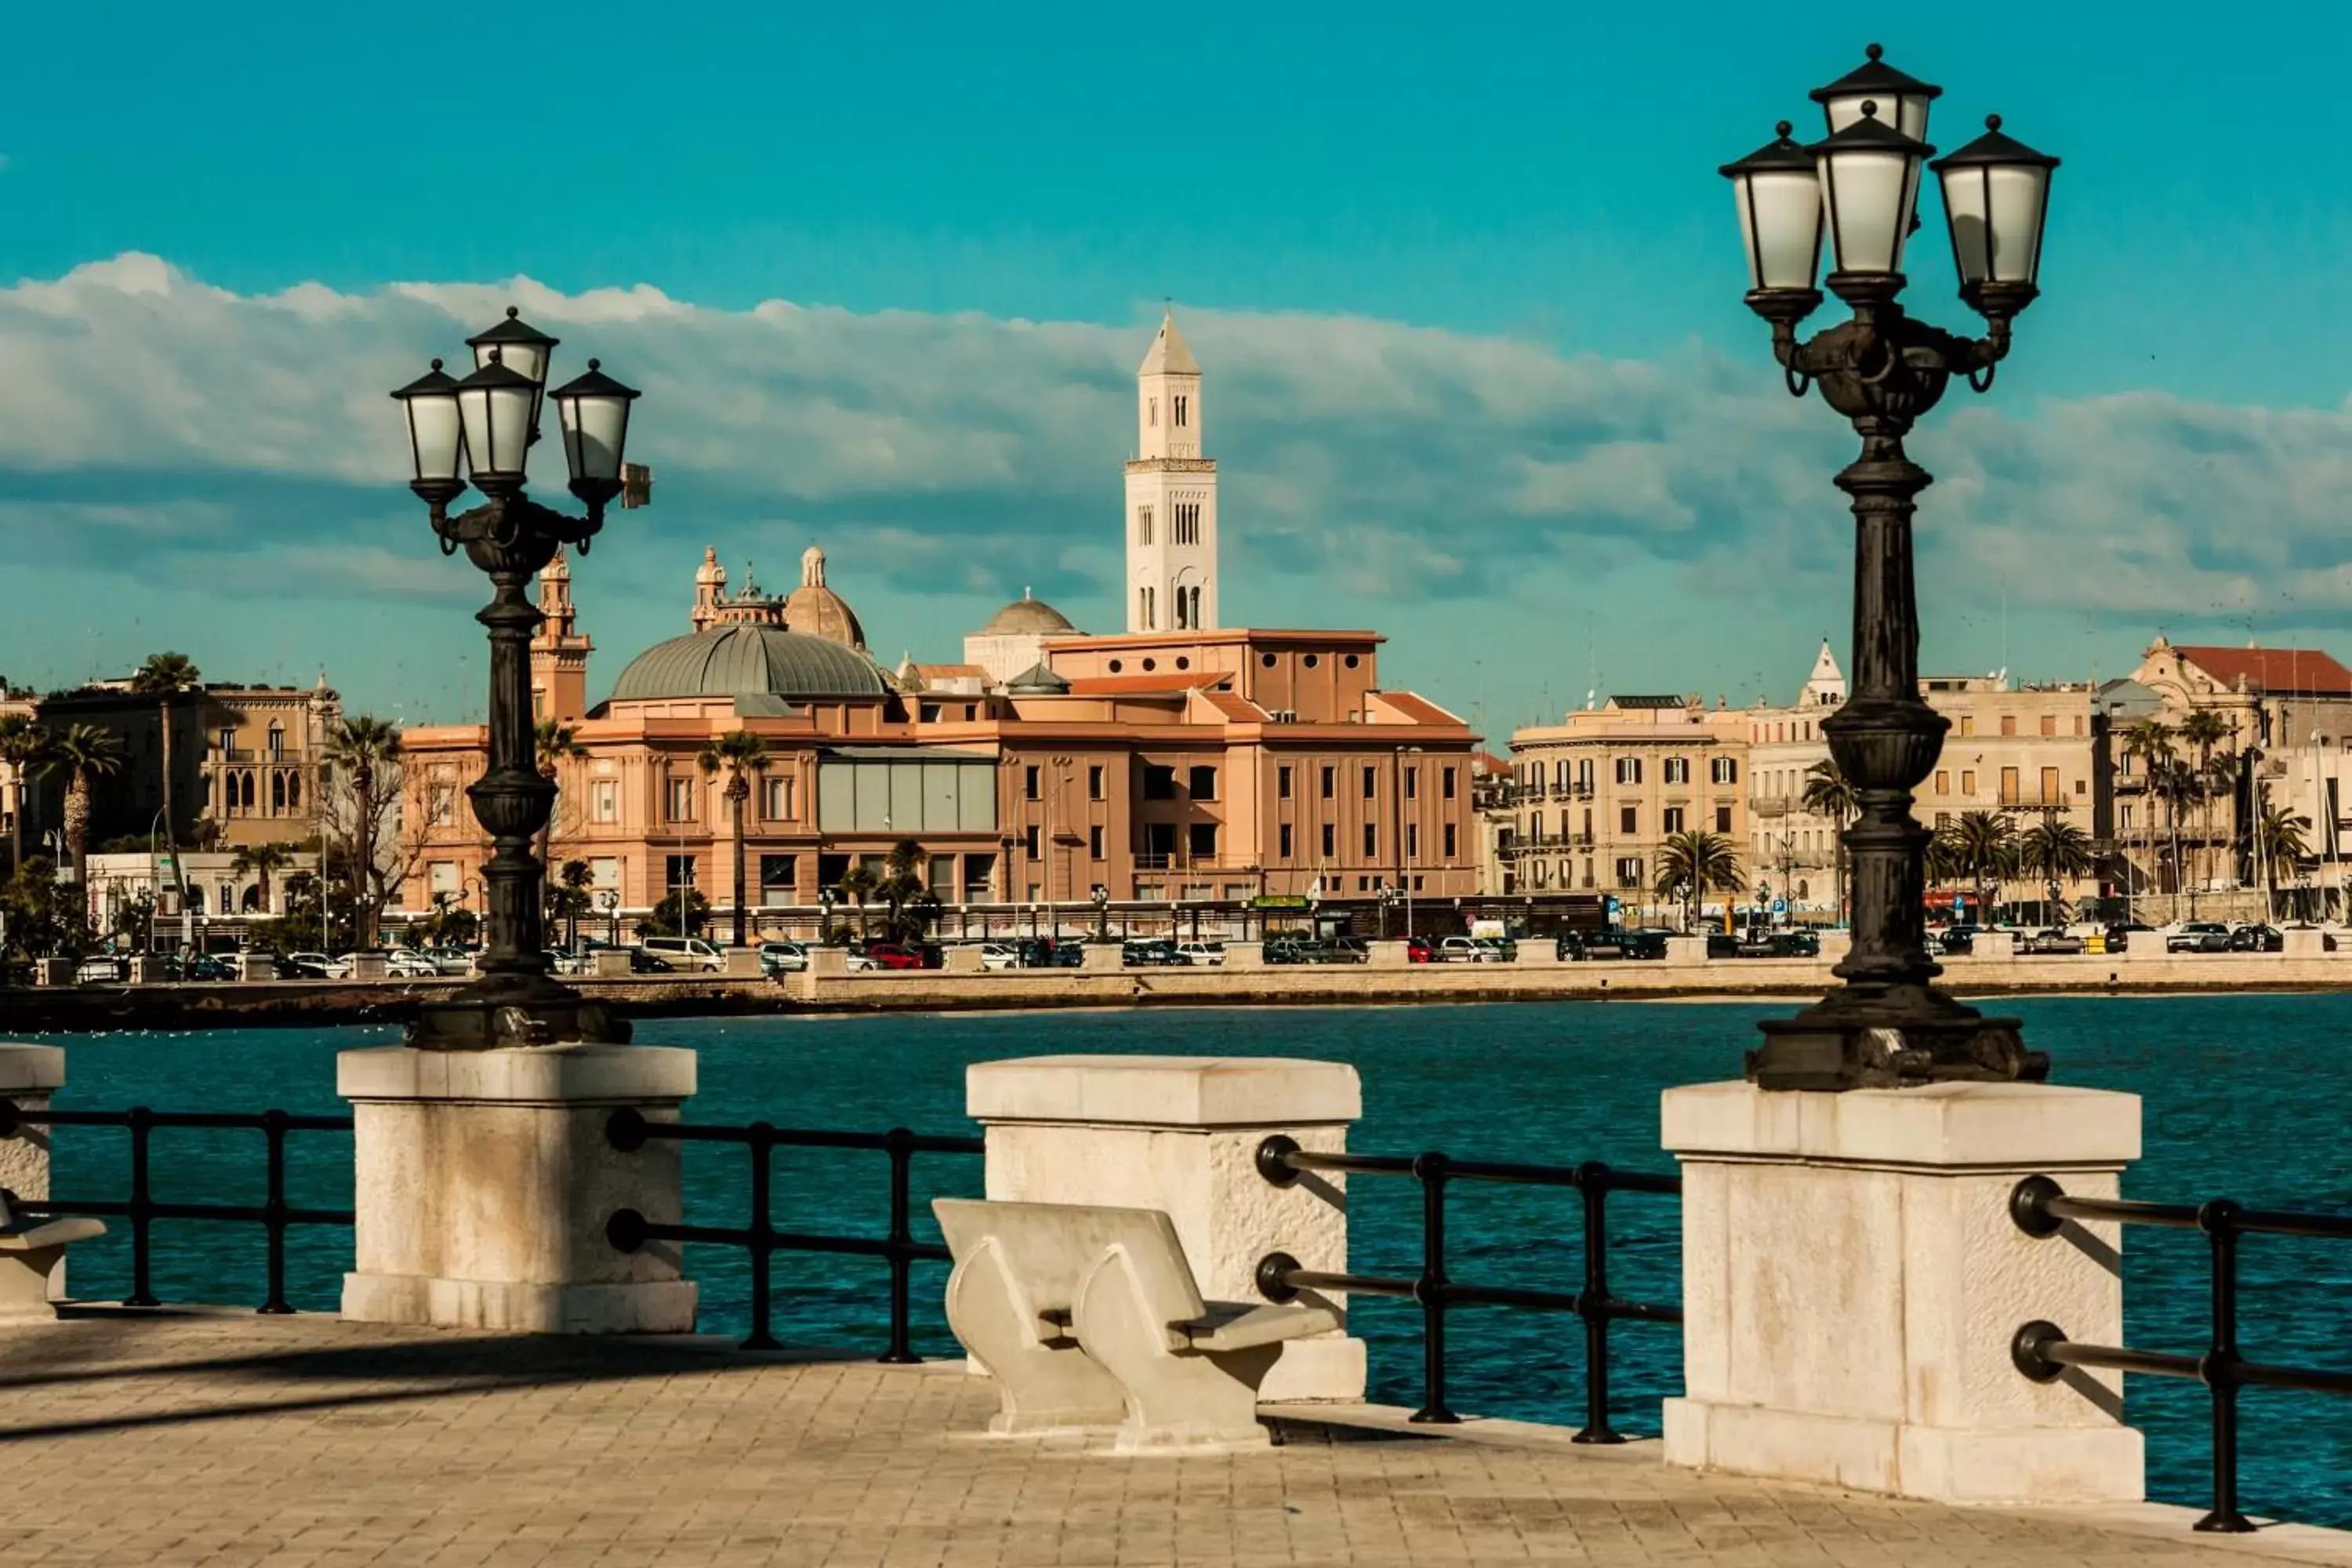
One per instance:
(686,952)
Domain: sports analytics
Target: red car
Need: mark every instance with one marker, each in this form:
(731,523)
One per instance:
(1420,950)
(892,955)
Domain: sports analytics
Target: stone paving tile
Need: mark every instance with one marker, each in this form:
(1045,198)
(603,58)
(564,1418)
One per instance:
(219,1439)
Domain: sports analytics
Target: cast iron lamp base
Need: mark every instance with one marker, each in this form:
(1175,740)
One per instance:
(500,1011)
(1904,1037)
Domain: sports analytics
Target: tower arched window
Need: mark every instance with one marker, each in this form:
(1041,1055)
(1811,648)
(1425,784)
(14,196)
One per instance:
(1152,411)
(245,791)
(277,794)
(1143,525)
(1144,609)
(294,792)
(1183,410)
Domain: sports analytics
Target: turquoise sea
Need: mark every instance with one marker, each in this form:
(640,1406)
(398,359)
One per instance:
(2245,1097)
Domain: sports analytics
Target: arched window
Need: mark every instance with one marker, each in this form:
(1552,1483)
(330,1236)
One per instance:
(246,790)
(294,791)
(277,794)
(196,900)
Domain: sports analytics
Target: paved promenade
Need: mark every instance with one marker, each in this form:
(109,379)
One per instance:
(226,1438)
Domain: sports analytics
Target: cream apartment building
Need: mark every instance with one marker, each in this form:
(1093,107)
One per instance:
(1594,798)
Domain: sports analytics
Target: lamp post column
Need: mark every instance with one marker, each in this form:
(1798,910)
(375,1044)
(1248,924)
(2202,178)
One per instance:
(512,800)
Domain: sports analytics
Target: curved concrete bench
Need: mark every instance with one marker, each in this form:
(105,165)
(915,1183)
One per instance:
(1085,1315)
(31,1261)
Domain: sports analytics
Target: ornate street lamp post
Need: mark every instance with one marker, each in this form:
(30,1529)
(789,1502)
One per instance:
(1888,1025)
(489,420)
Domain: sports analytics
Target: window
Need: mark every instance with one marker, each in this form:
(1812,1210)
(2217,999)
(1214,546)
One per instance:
(1330,782)
(776,801)
(1722,770)
(2008,723)
(1284,846)
(604,800)
(1449,841)
(1183,408)
(777,873)
(1671,821)
(1627,819)
(2078,723)
(1029,841)
(1412,783)
(1143,525)
(1678,770)
(1202,840)
(1152,411)
(1029,782)
(1143,616)
(1629,770)
(2082,786)
(2050,723)
(1159,783)
(276,741)
(2051,794)
(1371,782)
(1094,782)
(1371,841)
(1968,780)
(1943,781)
(1282,781)
(440,803)
(1412,839)
(680,800)
(1629,871)
(605,872)
(1330,840)
(1095,842)
(2008,786)
(1204,784)
(1447,791)
(1188,522)
(928,713)
(677,872)
(1968,724)
(1723,819)
(2126,811)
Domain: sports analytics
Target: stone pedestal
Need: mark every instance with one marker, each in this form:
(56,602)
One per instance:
(257,966)
(53,971)
(1245,955)
(2312,944)
(1684,951)
(1388,954)
(1835,945)
(485,1179)
(1180,1135)
(29,1076)
(1539,953)
(741,964)
(964,959)
(610,963)
(1100,958)
(1851,1281)
(370,966)
(1993,944)
(146,969)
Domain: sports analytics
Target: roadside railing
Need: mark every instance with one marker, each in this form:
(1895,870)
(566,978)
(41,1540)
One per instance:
(275,1215)
(1280,1277)
(629,1130)
(2041,1351)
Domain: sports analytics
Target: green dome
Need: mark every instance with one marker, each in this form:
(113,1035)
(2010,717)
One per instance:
(746,661)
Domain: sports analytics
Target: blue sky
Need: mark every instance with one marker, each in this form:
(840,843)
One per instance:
(1505,404)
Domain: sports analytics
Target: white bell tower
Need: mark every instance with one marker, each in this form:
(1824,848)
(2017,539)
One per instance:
(1171,496)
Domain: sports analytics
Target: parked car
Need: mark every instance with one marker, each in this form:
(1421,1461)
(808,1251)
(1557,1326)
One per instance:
(1615,942)
(644,963)
(1751,942)
(1347,950)
(1462,949)
(2258,938)
(887,955)
(999,955)
(1795,944)
(1958,939)
(1145,953)
(782,958)
(1287,950)
(304,966)
(2053,940)
(2199,936)
(450,960)
(1499,949)
(1201,952)
(2119,935)
(408,963)
(689,953)
(188,968)
(102,969)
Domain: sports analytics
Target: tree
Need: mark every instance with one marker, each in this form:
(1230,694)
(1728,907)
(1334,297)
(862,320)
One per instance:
(44,917)
(261,860)
(364,781)
(1985,846)
(22,742)
(858,884)
(2149,742)
(567,898)
(1691,862)
(2056,849)
(902,887)
(1829,792)
(680,914)
(2178,784)
(451,923)
(555,745)
(82,753)
(2279,849)
(164,676)
(1943,855)
(2205,730)
(740,752)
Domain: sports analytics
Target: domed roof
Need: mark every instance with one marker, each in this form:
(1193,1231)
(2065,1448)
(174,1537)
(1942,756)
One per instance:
(747,660)
(817,610)
(1027,615)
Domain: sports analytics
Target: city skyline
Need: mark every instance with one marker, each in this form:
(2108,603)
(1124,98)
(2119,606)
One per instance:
(1534,438)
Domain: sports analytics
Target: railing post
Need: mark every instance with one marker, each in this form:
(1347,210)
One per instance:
(1592,1304)
(900,1144)
(142,1207)
(763,1236)
(2218,1367)
(273,1212)
(1430,1171)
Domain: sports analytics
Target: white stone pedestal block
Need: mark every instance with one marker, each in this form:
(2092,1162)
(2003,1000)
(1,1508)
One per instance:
(1686,950)
(1851,1281)
(1180,1135)
(1245,955)
(370,966)
(1835,944)
(2310,944)
(965,958)
(29,1076)
(1388,954)
(741,964)
(485,1179)
(1101,958)
(611,964)
(1993,944)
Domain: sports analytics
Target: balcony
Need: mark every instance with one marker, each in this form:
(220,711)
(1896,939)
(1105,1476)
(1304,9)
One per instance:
(1192,863)
(1768,806)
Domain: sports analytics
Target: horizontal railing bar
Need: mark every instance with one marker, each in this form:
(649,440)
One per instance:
(1359,1283)
(2119,1358)
(811,1138)
(2304,1378)
(248,1120)
(2200,1369)
(2186,1217)
(798,1241)
(1454,1293)
(1503,1296)
(1477,1171)
(1349,1164)
(2287,1222)
(62,1208)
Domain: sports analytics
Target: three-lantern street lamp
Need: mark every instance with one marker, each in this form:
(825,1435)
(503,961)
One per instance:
(487,422)
(1888,1025)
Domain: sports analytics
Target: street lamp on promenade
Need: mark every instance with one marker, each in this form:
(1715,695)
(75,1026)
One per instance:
(489,421)
(1888,1023)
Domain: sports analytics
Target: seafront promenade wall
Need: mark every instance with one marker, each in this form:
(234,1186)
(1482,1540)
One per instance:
(299,1002)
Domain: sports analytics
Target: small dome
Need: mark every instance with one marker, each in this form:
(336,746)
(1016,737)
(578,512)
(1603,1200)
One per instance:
(747,660)
(817,611)
(1027,615)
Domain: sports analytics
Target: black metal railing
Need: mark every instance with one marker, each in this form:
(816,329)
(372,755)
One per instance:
(273,1214)
(629,1129)
(2041,1351)
(1280,1277)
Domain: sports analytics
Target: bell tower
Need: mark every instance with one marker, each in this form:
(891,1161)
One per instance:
(1171,496)
(558,653)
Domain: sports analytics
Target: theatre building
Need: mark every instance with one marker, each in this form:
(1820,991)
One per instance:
(1175,761)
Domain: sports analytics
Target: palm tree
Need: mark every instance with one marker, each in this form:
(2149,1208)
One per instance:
(1984,844)
(2150,742)
(22,742)
(82,753)
(1829,792)
(2279,847)
(1691,862)
(555,745)
(2205,730)
(858,884)
(569,899)
(365,746)
(740,752)
(2055,849)
(261,860)
(2178,784)
(902,885)
(1943,855)
(163,677)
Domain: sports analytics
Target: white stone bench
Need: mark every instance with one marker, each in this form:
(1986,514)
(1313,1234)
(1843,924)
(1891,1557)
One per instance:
(1088,1315)
(31,1261)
